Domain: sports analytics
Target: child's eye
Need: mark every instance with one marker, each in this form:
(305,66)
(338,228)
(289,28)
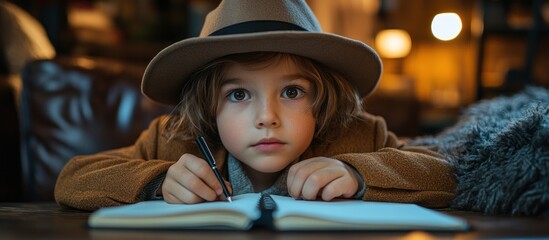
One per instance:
(292,92)
(238,95)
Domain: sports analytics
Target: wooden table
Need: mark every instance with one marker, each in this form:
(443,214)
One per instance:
(48,221)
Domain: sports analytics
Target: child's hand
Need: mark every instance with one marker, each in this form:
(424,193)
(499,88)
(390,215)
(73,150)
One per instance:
(191,180)
(324,177)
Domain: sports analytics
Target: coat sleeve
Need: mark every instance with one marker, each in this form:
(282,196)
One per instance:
(115,177)
(395,172)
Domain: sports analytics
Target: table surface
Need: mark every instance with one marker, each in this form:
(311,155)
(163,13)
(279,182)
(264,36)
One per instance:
(48,221)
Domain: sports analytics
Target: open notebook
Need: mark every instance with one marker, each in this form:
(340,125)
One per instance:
(276,212)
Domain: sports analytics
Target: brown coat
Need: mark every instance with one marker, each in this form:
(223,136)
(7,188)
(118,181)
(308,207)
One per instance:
(392,172)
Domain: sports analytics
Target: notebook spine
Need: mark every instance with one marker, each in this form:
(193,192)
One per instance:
(267,206)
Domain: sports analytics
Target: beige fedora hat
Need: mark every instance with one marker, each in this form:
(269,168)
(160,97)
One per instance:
(242,26)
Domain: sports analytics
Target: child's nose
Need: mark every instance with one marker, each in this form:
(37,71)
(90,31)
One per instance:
(267,116)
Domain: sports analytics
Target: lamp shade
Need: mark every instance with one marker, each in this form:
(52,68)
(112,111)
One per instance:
(393,43)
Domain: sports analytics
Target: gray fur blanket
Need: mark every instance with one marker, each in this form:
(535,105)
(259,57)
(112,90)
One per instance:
(500,149)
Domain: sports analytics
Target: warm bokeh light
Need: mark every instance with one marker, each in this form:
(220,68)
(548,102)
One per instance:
(393,43)
(446,26)
(419,235)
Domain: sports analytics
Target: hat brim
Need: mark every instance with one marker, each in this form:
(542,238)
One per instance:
(167,72)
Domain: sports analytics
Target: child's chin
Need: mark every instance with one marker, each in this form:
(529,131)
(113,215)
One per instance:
(267,163)
(268,168)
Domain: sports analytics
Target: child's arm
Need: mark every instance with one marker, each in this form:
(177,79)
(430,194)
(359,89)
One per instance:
(391,171)
(118,176)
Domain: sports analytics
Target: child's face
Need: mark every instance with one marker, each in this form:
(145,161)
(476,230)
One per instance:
(264,116)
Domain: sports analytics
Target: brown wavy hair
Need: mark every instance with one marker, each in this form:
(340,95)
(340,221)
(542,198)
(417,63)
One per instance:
(335,101)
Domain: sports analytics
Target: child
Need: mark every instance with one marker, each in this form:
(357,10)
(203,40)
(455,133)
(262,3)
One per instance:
(279,103)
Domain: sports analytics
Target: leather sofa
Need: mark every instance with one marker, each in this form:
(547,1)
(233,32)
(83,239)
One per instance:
(71,106)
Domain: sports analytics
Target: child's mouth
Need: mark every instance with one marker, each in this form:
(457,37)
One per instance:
(268,145)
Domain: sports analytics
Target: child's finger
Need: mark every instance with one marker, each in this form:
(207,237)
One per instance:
(187,196)
(183,177)
(180,177)
(298,174)
(336,188)
(317,181)
(196,184)
(229,189)
(175,193)
(200,168)
(294,168)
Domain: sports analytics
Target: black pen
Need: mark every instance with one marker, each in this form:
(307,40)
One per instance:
(211,161)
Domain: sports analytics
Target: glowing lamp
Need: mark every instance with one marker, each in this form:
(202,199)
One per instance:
(446,26)
(393,43)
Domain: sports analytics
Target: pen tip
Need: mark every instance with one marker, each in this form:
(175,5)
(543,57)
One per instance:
(229,199)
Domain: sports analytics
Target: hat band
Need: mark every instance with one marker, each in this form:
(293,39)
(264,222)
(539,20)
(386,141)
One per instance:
(257,26)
